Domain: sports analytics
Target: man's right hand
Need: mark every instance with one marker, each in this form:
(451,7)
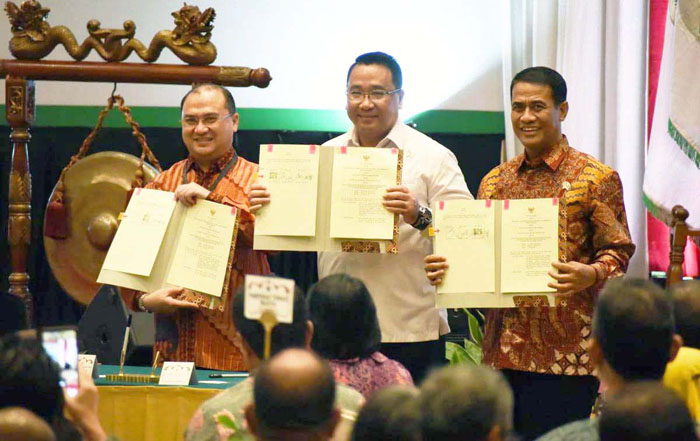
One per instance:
(259,196)
(164,301)
(435,267)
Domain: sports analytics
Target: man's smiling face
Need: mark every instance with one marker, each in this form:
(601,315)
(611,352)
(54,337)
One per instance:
(536,118)
(373,119)
(212,135)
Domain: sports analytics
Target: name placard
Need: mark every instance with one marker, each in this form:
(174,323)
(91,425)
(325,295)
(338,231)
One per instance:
(177,373)
(273,294)
(88,363)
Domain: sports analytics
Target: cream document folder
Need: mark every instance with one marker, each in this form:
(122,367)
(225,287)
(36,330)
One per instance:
(193,250)
(355,198)
(496,250)
(290,172)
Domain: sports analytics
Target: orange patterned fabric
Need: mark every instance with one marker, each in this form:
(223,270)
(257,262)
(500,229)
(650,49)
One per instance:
(207,336)
(593,230)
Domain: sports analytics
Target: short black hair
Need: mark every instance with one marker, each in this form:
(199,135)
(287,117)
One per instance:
(344,317)
(633,323)
(383,59)
(458,400)
(542,75)
(29,378)
(283,403)
(284,335)
(686,306)
(390,413)
(646,411)
(230,102)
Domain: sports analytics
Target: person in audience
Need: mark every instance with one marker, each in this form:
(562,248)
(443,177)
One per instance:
(20,424)
(81,410)
(347,334)
(222,415)
(633,340)
(466,402)
(215,172)
(391,413)
(646,411)
(29,378)
(683,373)
(412,327)
(541,349)
(294,395)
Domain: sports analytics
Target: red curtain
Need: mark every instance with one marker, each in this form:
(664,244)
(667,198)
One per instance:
(657,231)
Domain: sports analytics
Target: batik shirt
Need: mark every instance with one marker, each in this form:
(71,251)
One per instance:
(370,374)
(206,337)
(592,230)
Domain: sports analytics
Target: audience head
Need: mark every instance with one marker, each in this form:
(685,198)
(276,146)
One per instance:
(646,411)
(294,395)
(390,413)
(19,424)
(344,318)
(285,335)
(686,306)
(466,400)
(633,330)
(29,378)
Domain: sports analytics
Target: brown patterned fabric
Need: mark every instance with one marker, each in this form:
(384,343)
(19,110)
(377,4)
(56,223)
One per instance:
(207,336)
(593,230)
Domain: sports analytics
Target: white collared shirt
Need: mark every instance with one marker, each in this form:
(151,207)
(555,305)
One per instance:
(404,298)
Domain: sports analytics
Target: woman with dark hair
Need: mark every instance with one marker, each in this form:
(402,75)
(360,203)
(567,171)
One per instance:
(347,334)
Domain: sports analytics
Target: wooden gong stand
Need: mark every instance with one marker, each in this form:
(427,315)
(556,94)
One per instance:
(20,109)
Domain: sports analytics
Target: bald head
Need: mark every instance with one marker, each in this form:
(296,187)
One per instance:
(19,424)
(294,390)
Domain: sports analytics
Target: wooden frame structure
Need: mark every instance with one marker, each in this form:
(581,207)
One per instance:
(20,110)
(679,234)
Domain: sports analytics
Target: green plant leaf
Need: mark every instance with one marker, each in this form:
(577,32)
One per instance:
(474,329)
(473,351)
(456,354)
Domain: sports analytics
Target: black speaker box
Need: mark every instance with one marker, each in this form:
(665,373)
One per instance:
(102,326)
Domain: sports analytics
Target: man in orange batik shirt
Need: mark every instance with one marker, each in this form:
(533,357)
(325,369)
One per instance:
(540,349)
(213,171)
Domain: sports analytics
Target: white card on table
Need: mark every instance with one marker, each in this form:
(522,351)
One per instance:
(88,363)
(177,373)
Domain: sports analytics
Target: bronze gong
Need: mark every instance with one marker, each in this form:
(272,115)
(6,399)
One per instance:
(95,194)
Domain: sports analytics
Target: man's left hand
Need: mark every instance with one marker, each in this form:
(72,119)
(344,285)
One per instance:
(572,277)
(400,200)
(189,193)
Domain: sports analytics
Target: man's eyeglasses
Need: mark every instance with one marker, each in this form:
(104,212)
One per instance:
(377,95)
(207,120)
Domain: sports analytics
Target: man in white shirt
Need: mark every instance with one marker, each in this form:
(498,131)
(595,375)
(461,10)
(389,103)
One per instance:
(410,323)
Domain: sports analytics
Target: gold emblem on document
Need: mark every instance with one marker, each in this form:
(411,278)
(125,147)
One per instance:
(365,157)
(531,209)
(212,212)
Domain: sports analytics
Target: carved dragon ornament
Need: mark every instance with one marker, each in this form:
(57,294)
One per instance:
(33,38)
